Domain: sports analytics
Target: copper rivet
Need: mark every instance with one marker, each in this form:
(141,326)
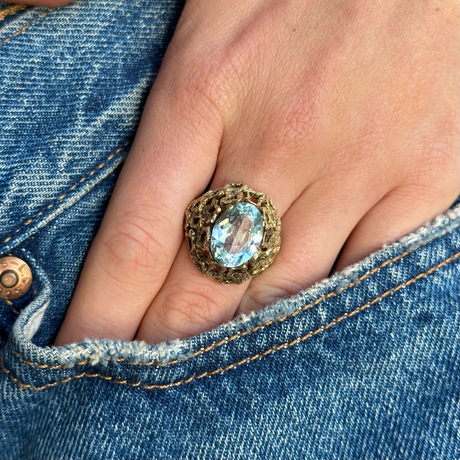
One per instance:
(9,279)
(15,278)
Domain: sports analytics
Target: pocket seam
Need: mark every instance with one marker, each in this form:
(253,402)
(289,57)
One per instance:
(64,194)
(10,10)
(24,28)
(226,339)
(221,370)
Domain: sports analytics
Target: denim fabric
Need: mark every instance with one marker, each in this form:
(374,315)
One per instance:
(363,365)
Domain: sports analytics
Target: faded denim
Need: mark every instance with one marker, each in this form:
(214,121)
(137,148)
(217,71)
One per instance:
(363,365)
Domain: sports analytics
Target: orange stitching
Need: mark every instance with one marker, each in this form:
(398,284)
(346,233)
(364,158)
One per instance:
(12,9)
(227,339)
(23,29)
(243,361)
(10,304)
(63,195)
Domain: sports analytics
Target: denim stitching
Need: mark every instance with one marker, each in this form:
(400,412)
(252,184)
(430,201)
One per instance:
(73,187)
(221,370)
(12,9)
(23,29)
(227,339)
(10,304)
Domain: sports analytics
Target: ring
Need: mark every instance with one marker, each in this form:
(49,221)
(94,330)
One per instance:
(233,233)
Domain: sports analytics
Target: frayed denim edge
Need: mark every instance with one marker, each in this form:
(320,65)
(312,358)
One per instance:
(96,351)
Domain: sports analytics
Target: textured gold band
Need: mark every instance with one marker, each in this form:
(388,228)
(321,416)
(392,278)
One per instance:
(200,217)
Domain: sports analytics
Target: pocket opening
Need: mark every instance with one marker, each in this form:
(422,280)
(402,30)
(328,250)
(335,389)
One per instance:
(280,326)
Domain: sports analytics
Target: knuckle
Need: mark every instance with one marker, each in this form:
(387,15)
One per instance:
(198,102)
(132,252)
(216,82)
(264,294)
(290,128)
(184,312)
(203,87)
(295,119)
(437,161)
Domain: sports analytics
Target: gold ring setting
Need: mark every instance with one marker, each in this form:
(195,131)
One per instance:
(233,233)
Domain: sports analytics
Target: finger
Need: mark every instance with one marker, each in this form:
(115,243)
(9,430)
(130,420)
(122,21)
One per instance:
(189,302)
(398,213)
(170,163)
(312,232)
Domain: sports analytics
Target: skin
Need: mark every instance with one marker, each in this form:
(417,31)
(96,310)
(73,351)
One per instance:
(345,113)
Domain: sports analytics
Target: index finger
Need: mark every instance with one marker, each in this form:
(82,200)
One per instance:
(171,162)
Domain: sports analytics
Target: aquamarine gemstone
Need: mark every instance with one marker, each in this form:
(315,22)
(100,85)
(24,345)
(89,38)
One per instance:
(237,234)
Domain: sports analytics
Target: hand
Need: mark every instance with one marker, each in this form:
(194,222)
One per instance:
(345,113)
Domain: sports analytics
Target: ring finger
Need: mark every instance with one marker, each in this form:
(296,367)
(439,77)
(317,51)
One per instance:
(313,232)
(189,302)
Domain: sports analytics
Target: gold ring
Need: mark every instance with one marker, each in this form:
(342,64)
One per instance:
(233,233)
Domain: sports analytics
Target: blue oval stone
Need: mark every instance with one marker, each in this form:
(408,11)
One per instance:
(237,234)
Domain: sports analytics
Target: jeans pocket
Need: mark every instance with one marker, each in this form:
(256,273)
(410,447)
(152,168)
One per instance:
(361,365)
(387,280)
(366,359)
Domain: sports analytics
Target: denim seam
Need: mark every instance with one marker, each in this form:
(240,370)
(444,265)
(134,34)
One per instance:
(24,28)
(11,10)
(231,338)
(221,370)
(72,188)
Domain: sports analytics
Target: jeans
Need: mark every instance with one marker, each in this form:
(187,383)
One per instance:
(362,365)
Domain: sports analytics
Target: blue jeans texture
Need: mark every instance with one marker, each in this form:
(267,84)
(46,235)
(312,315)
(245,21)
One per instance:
(362,365)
